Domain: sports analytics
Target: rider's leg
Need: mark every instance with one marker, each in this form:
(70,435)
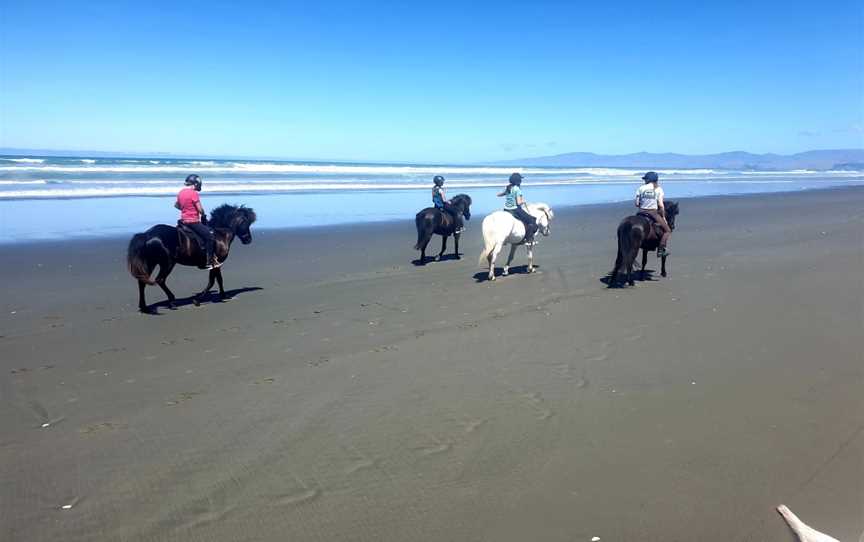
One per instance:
(458,225)
(530,223)
(667,231)
(206,234)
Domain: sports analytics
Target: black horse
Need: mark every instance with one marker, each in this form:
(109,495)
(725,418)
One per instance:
(167,246)
(431,221)
(635,232)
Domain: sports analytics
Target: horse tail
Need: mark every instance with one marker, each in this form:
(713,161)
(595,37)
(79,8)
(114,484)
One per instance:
(625,230)
(136,257)
(488,244)
(425,228)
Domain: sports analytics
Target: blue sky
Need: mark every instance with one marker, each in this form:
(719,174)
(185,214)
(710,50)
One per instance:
(431,81)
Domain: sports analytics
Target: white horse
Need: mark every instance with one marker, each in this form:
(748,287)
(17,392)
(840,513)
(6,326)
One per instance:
(501,228)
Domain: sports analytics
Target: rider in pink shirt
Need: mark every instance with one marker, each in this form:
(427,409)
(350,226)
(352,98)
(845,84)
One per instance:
(191,213)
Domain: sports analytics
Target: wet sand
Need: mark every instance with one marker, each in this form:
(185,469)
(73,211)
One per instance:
(346,394)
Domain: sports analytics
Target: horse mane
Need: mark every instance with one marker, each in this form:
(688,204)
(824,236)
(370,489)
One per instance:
(543,207)
(222,216)
(461,197)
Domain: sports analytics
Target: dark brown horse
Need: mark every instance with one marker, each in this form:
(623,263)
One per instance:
(167,246)
(432,221)
(635,232)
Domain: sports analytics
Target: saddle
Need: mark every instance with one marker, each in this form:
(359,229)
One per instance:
(654,231)
(183,229)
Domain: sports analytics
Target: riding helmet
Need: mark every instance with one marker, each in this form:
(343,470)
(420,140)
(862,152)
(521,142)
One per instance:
(438,180)
(193,180)
(516,179)
(651,177)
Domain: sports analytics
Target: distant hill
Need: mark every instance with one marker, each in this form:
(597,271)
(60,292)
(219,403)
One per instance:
(823,159)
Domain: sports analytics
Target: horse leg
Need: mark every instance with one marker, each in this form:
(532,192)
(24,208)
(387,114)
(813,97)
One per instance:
(222,295)
(443,247)
(663,266)
(530,249)
(142,304)
(165,270)
(206,290)
(423,250)
(492,257)
(509,260)
(644,262)
(630,261)
(456,240)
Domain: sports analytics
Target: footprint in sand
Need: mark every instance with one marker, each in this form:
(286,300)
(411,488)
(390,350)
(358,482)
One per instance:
(182,398)
(385,348)
(472,425)
(100,427)
(265,381)
(319,362)
(537,402)
(113,350)
(295,499)
(197,519)
(362,464)
(434,450)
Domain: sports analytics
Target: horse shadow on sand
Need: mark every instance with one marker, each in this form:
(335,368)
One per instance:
(638,276)
(483,276)
(445,258)
(212,297)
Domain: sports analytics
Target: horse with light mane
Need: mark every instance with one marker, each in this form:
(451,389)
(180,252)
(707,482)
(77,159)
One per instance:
(502,228)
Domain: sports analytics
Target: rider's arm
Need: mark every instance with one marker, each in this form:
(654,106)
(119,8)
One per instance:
(503,193)
(177,205)
(520,200)
(660,206)
(200,208)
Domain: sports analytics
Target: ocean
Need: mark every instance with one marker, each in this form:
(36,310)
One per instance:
(44,197)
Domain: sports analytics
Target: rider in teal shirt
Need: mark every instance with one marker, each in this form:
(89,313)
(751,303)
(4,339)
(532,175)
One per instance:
(514,204)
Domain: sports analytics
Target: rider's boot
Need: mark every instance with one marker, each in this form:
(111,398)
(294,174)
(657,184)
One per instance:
(662,252)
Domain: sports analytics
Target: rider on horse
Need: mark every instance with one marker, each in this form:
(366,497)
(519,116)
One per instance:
(649,200)
(514,204)
(440,202)
(191,215)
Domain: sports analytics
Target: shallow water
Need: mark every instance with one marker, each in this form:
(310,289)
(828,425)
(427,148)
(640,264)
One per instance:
(52,218)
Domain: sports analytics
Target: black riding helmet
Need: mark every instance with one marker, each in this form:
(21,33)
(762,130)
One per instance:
(651,177)
(193,180)
(438,180)
(516,179)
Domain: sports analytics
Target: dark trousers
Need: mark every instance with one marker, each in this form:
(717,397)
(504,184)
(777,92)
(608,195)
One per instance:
(457,218)
(529,221)
(206,235)
(661,221)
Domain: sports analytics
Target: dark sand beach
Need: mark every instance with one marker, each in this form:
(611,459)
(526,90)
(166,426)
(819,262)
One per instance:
(346,394)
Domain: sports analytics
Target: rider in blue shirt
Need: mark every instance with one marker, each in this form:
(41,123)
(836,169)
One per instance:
(514,204)
(440,201)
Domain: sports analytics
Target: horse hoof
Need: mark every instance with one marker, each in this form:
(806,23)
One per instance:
(662,274)
(196,302)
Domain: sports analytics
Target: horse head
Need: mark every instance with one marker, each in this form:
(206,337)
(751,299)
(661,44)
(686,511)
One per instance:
(237,219)
(671,213)
(544,216)
(463,203)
